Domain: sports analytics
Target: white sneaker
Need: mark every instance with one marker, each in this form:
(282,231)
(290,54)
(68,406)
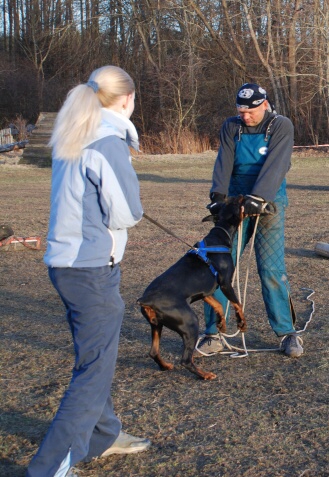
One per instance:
(127,444)
(209,345)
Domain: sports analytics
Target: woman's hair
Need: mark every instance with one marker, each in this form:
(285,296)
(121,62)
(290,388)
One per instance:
(80,115)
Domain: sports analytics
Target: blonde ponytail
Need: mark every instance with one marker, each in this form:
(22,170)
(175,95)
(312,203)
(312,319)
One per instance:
(80,115)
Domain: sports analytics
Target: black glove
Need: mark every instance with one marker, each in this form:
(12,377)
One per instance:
(217,202)
(254,205)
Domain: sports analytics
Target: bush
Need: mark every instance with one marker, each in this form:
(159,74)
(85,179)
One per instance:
(173,141)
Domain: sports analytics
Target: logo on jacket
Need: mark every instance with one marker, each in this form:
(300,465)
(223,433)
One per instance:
(263,150)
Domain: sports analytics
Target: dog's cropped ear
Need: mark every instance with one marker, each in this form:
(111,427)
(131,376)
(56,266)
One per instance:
(241,213)
(209,218)
(241,202)
(240,198)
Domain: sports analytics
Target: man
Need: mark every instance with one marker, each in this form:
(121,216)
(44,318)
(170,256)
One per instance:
(253,159)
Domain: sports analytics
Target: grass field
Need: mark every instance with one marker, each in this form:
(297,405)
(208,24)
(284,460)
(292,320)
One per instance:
(264,416)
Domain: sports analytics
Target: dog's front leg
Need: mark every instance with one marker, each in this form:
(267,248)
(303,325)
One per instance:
(229,292)
(221,322)
(240,318)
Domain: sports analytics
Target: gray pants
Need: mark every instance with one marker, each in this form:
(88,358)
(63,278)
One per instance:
(85,424)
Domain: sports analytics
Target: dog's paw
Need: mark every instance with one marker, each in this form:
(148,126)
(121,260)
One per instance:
(166,367)
(209,376)
(242,326)
(221,326)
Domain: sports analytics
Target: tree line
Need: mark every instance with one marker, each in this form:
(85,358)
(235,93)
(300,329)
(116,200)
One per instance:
(187,58)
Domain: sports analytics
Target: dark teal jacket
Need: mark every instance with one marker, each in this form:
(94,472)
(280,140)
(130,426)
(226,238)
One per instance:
(254,160)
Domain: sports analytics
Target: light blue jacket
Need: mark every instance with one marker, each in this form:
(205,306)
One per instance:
(95,199)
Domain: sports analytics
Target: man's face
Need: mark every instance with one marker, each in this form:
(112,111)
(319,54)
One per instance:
(254,116)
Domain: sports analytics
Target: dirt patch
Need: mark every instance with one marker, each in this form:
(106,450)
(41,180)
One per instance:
(264,416)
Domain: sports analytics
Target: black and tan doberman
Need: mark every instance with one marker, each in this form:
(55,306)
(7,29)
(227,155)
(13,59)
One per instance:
(166,301)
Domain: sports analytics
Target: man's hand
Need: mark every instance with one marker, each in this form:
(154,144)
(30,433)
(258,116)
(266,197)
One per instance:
(217,202)
(254,205)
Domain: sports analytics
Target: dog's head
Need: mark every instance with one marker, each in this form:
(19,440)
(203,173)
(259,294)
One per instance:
(231,212)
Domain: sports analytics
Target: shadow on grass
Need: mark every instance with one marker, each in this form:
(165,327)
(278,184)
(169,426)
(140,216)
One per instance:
(15,422)
(320,188)
(302,252)
(9,469)
(161,179)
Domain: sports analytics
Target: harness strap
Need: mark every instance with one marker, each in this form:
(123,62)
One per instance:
(212,248)
(267,132)
(202,250)
(269,128)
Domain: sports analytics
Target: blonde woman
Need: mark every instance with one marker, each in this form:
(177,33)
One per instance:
(94,199)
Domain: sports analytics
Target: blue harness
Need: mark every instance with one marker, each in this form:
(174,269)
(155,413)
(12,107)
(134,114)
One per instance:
(202,250)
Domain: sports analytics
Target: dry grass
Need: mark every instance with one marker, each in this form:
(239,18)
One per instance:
(175,141)
(264,416)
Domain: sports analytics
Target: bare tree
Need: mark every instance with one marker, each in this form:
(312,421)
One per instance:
(187,56)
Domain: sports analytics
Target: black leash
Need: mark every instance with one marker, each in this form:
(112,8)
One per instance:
(167,230)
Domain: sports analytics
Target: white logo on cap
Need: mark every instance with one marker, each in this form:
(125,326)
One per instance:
(261,90)
(246,93)
(258,101)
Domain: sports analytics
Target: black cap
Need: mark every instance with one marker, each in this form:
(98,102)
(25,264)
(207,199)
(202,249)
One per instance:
(250,96)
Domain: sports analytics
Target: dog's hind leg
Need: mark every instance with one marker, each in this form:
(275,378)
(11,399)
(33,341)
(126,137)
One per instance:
(155,349)
(221,322)
(189,331)
(156,329)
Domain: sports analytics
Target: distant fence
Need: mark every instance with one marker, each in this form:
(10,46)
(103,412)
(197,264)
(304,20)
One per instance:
(6,136)
(313,147)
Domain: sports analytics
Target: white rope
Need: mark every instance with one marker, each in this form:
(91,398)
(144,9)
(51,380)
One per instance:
(242,352)
(312,312)
(237,351)
(249,259)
